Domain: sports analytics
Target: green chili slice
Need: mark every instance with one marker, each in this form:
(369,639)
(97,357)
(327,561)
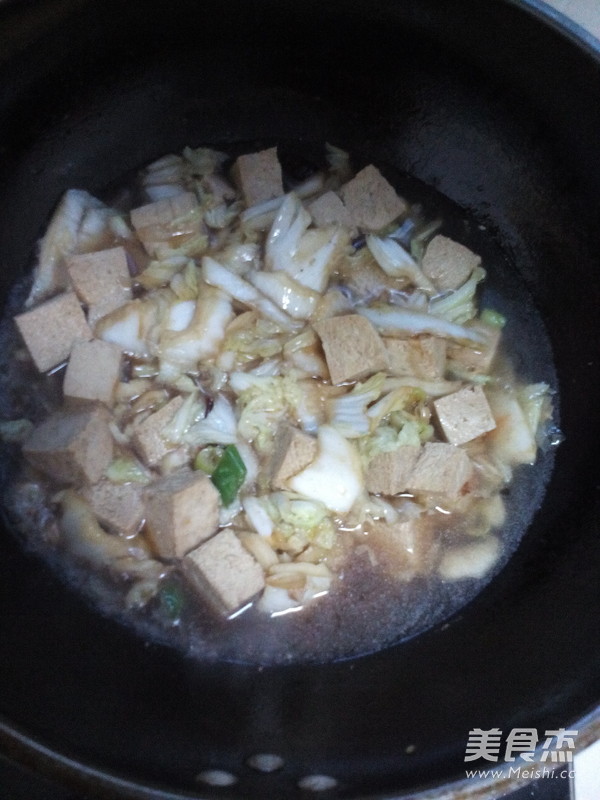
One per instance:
(229,474)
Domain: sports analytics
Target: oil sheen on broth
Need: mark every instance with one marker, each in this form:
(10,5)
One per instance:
(323,435)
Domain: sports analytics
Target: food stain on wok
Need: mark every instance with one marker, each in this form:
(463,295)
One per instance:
(272,421)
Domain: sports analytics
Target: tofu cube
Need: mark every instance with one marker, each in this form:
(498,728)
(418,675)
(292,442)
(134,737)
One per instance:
(328,209)
(118,507)
(464,415)
(50,330)
(371,201)
(170,221)
(93,371)
(101,280)
(72,447)
(225,569)
(353,348)
(389,473)
(182,510)
(258,176)
(441,469)
(148,434)
(447,263)
(477,359)
(420,357)
(404,549)
(294,450)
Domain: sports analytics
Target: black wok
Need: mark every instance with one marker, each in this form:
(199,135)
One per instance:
(498,111)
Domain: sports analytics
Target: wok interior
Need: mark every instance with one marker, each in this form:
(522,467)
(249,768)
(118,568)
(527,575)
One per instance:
(493,110)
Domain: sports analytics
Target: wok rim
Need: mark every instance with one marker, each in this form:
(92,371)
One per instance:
(23,748)
(42,760)
(562,23)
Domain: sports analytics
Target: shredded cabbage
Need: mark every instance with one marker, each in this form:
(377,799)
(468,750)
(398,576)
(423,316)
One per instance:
(396,400)
(292,297)
(218,427)
(305,255)
(80,224)
(348,413)
(335,476)
(395,261)
(192,411)
(339,163)
(459,305)
(203,161)
(390,320)
(127,470)
(264,402)
(534,399)
(217,275)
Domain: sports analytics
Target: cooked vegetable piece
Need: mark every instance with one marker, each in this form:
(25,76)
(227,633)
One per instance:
(208,458)
(229,474)
(172,599)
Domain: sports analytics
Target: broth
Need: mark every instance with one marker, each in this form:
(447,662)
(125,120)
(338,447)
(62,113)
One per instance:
(365,605)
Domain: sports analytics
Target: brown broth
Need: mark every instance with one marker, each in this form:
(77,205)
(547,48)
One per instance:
(366,609)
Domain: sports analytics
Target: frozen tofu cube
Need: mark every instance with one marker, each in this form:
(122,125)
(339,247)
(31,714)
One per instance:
(101,280)
(419,357)
(371,201)
(476,359)
(447,263)
(294,450)
(389,473)
(328,209)
(118,507)
(93,371)
(50,330)
(258,176)
(464,415)
(72,447)
(148,435)
(353,348)
(170,221)
(404,549)
(182,510)
(223,568)
(440,469)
